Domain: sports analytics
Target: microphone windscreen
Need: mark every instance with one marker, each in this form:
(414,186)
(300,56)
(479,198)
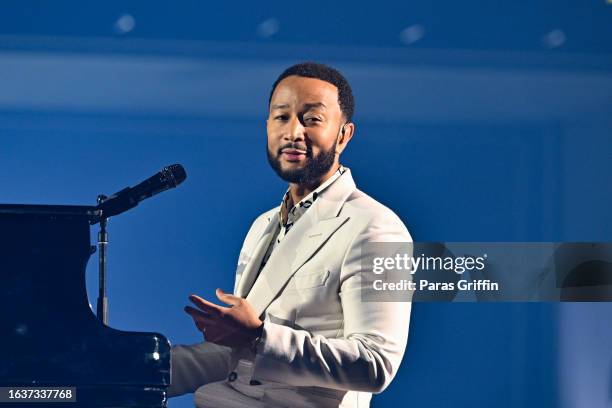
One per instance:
(175,174)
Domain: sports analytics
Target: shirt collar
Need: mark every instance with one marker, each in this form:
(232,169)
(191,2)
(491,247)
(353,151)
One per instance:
(295,212)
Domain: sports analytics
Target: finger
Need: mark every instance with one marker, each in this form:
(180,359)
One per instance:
(196,313)
(212,324)
(206,323)
(227,298)
(211,329)
(206,320)
(205,305)
(201,326)
(197,318)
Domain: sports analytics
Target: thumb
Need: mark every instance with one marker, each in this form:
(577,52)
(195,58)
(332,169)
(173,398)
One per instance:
(226,297)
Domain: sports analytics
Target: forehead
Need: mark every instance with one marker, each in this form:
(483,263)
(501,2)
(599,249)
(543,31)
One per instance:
(297,91)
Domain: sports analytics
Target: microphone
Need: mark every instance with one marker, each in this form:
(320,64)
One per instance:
(169,177)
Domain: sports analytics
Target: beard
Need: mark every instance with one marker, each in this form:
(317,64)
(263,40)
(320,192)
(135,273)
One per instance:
(315,167)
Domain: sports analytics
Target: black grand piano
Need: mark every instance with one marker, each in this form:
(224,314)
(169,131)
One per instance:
(49,335)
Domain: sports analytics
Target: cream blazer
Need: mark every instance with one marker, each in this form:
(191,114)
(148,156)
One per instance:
(322,346)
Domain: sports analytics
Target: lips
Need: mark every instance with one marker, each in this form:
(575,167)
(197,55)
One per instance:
(293,151)
(293,154)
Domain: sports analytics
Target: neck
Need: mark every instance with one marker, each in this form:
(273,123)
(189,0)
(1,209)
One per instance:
(299,191)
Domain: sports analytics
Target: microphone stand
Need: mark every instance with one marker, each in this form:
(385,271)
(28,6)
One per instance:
(121,201)
(102,305)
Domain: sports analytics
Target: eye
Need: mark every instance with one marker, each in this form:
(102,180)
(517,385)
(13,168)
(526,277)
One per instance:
(312,119)
(280,117)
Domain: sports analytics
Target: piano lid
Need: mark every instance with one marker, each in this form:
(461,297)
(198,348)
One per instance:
(61,211)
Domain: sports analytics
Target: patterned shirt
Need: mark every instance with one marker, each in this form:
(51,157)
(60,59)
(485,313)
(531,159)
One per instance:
(294,213)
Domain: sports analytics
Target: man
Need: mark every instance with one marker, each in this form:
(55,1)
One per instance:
(296,332)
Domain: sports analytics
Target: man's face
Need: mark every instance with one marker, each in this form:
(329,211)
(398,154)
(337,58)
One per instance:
(303,127)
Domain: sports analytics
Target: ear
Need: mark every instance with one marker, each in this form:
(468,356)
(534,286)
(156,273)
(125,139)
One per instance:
(348,130)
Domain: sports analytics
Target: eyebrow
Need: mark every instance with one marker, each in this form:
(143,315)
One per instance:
(281,106)
(308,106)
(314,105)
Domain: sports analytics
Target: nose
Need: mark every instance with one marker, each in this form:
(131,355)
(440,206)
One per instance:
(295,130)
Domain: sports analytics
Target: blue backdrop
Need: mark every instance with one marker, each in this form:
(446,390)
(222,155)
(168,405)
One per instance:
(469,129)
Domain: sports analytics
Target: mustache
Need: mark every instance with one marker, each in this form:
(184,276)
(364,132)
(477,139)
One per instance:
(296,146)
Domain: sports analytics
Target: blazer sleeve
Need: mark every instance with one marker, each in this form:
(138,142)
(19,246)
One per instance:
(375,334)
(197,364)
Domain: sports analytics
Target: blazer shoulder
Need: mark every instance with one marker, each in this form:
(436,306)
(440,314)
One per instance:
(366,206)
(261,221)
(257,228)
(265,216)
(372,214)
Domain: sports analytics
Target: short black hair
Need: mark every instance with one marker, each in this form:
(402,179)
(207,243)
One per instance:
(327,74)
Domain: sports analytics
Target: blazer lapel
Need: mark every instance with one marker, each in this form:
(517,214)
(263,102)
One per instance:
(308,234)
(250,272)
